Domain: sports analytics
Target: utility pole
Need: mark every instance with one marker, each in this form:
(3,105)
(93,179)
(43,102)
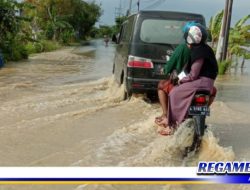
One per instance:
(224,32)
(138,5)
(227,30)
(130,7)
(118,11)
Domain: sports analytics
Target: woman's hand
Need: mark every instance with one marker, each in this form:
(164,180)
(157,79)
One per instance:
(162,71)
(179,82)
(195,71)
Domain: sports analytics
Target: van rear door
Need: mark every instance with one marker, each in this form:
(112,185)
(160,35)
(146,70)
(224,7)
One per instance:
(155,39)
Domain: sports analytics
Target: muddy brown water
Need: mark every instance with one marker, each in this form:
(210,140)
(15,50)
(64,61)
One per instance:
(64,108)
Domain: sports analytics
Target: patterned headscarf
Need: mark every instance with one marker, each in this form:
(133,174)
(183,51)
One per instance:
(196,34)
(187,26)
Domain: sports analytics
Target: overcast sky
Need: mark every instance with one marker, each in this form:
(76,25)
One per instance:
(206,7)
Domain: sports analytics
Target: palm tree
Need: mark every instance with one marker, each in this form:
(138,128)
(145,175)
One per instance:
(239,39)
(215,26)
(57,22)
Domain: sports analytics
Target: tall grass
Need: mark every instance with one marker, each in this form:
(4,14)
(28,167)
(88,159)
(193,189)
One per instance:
(224,66)
(42,46)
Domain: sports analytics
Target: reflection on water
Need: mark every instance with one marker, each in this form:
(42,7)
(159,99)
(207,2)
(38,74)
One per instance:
(234,88)
(230,116)
(64,66)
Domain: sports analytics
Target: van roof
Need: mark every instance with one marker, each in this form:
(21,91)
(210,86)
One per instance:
(165,13)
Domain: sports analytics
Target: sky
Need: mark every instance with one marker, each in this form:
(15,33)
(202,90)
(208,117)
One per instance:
(207,8)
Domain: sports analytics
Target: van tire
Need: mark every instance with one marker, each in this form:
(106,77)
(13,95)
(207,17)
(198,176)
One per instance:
(126,93)
(113,70)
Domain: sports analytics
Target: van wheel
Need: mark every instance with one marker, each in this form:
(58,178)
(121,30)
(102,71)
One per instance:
(113,70)
(126,93)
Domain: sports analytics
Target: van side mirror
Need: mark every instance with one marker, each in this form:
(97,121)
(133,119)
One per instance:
(114,38)
(118,38)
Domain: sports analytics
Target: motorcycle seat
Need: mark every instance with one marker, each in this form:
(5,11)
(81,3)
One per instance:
(204,92)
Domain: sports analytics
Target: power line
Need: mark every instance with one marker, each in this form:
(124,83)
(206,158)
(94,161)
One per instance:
(130,7)
(124,6)
(155,4)
(118,10)
(138,3)
(135,4)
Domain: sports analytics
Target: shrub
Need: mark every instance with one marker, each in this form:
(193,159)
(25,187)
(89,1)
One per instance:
(224,66)
(66,37)
(19,52)
(30,48)
(33,47)
(14,51)
(42,46)
(49,45)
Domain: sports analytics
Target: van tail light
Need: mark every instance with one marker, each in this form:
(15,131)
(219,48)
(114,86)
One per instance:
(139,62)
(201,100)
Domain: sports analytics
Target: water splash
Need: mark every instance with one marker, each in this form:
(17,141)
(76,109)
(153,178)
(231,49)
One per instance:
(140,145)
(212,151)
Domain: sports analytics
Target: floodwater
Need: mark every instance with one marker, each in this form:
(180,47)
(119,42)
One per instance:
(64,108)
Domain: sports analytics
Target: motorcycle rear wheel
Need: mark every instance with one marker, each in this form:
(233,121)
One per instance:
(199,124)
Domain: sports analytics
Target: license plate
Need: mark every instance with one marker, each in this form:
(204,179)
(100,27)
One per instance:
(159,70)
(199,110)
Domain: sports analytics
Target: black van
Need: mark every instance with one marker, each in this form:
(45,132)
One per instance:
(145,41)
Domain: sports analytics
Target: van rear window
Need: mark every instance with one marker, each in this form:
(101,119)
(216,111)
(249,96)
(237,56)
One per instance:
(162,31)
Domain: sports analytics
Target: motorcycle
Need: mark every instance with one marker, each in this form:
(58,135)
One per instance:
(198,111)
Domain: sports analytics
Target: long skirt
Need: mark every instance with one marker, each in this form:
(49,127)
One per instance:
(180,98)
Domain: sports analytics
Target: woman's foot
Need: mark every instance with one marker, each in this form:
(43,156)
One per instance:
(167,131)
(161,120)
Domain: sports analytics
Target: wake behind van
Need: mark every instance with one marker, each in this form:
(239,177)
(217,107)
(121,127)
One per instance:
(145,41)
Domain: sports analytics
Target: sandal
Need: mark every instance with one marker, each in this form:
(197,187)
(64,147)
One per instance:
(167,131)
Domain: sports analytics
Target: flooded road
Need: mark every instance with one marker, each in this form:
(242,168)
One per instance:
(63,108)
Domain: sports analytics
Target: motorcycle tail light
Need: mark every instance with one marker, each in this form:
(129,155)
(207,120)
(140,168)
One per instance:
(200,100)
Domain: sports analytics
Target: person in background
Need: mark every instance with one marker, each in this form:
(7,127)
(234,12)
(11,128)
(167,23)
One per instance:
(106,40)
(202,71)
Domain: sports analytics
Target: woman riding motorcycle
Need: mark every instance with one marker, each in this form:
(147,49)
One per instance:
(176,63)
(202,70)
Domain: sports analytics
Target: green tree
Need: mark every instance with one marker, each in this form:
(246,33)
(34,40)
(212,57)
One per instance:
(105,30)
(215,26)
(66,17)
(119,21)
(238,40)
(84,17)
(57,20)
(52,20)
(12,37)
